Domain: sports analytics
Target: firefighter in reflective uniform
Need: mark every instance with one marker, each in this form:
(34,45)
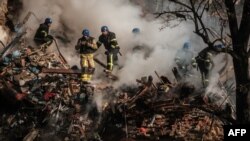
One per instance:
(205,65)
(205,61)
(185,60)
(87,46)
(108,39)
(42,36)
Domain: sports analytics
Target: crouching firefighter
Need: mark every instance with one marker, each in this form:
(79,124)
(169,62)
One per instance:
(42,37)
(108,39)
(86,46)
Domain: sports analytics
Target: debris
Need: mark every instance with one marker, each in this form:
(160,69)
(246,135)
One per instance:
(55,97)
(47,99)
(60,54)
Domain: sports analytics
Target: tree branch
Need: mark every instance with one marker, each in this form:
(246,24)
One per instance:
(171,12)
(198,21)
(217,11)
(227,50)
(218,39)
(203,9)
(219,3)
(182,4)
(200,5)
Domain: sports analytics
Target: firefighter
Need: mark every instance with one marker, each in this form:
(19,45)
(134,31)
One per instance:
(136,31)
(205,61)
(185,60)
(42,36)
(140,47)
(86,46)
(108,39)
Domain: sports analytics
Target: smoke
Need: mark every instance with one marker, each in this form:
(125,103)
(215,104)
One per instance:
(121,16)
(70,17)
(220,90)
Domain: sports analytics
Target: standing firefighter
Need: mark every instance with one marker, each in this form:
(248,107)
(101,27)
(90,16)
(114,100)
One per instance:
(108,39)
(42,36)
(205,61)
(140,47)
(87,46)
(185,60)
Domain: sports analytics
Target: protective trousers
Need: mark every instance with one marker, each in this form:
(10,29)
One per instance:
(88,66)
(203,67)
(112,59)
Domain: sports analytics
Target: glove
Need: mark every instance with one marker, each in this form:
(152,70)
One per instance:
(83,43)
(116,50)
(50,37)
(194,65)
(92,46)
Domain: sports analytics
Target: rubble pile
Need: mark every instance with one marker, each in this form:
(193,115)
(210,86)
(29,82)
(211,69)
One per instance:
(40,105)
(42,98)
(45,99)
(166,111)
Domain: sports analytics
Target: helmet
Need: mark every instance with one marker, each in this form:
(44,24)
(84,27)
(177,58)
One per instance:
(16,54)
(85,32)
(136,30)
(220,46)
(48,21)
(186,45)
(104,28)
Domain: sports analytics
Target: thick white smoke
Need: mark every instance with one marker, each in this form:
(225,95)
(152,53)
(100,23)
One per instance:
(121,17)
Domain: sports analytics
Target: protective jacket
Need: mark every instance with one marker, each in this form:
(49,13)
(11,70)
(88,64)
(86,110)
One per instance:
(86,46)
(109,41)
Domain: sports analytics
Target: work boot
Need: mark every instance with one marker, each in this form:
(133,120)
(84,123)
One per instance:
(107,71)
